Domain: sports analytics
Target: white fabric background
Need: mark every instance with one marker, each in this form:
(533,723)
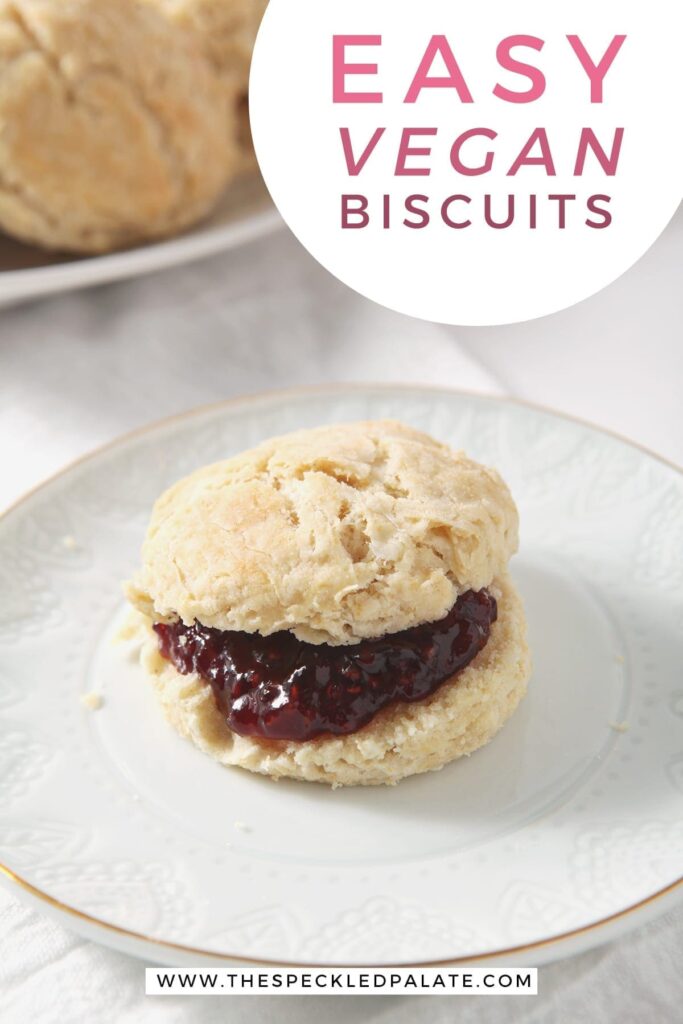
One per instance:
(77,370)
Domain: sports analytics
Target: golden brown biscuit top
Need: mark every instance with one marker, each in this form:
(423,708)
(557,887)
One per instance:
(337,534)
(114,124)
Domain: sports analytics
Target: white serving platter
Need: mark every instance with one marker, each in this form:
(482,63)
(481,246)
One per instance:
(244,214)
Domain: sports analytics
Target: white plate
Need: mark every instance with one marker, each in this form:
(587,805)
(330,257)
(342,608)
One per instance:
(553,838)
(244,214)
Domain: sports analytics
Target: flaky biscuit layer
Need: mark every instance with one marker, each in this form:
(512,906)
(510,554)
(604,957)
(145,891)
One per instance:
(338,534)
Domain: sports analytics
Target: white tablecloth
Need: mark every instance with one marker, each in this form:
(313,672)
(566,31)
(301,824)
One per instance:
(77,370)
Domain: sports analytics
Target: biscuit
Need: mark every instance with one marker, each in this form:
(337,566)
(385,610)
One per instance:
(401,740)
(114,125)
(337,534)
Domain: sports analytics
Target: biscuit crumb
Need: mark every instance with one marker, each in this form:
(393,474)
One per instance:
(92,701)
(620,726)
(241,826)
(70,543)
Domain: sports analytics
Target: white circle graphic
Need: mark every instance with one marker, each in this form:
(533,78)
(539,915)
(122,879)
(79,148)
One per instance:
(470,164)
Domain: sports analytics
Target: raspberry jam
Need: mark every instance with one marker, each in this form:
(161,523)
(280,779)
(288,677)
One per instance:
(278,687)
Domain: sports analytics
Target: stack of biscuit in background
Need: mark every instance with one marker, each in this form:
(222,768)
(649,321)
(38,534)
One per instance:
(120,120)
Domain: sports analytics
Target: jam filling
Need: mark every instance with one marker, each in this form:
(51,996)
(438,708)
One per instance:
(278,687)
